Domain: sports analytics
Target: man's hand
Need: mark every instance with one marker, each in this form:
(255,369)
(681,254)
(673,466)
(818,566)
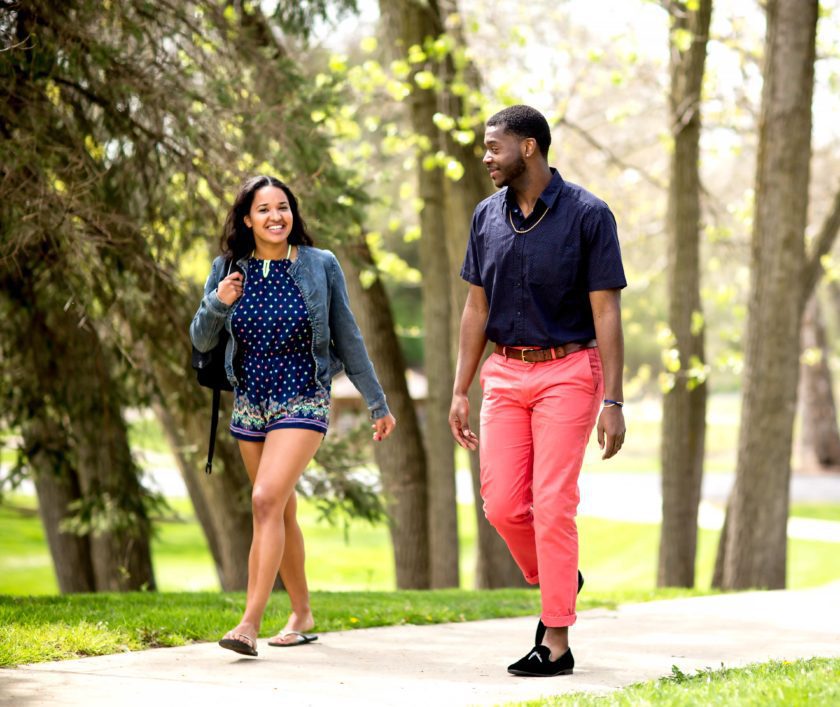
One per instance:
(610,430)
(459,422)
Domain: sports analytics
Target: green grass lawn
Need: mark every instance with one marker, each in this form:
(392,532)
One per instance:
(350,572)
(815,681)
(40,628)
(34,629)
(818,511)
(614,555)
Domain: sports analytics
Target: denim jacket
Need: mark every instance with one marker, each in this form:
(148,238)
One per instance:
(336,340)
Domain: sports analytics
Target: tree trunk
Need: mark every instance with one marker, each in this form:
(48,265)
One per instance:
(819,441)
(440,447)
(222,500)
(756,542)
(79,446)
(495,567)
(57,487)
(720,558)
(684,405)
(108,478)
(402,459)
(416,24)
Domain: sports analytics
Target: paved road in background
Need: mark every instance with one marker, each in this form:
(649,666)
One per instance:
(628,496)
(637,498)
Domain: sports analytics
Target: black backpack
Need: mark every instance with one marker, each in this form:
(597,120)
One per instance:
(209,368)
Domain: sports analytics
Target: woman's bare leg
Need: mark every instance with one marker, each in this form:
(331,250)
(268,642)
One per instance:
(251,453)
(292,567)
(284,456)
(293,572)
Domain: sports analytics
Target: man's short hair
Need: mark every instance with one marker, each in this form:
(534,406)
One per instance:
(524,121)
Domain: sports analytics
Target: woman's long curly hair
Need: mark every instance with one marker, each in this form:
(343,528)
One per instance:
(238,239)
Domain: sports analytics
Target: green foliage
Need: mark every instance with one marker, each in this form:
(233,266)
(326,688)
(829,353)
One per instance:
(371,134)
(339,486)
(299,16)
(123,135)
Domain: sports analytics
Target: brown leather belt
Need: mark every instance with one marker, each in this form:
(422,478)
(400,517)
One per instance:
(533,355)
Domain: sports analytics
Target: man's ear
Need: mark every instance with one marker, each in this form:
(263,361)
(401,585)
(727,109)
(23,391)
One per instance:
(529,147)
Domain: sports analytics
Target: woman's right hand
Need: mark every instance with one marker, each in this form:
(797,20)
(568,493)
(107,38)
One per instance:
(230,289)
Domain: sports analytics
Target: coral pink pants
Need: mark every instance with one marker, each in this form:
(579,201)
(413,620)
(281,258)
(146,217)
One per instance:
(536,419)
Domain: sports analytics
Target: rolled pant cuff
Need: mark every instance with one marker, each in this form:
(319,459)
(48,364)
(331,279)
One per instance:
(559,621)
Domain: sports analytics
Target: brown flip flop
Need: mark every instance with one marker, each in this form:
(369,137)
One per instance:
(240,643)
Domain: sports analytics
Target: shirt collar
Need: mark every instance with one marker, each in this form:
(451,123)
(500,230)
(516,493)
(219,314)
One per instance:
(549,194)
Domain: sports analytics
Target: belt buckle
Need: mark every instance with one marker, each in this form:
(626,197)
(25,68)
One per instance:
(522,353)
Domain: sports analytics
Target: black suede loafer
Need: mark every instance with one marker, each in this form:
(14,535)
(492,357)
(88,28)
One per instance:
(538,664)
(541,626)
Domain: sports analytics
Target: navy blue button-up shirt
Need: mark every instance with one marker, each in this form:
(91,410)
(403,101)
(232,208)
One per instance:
(538,283)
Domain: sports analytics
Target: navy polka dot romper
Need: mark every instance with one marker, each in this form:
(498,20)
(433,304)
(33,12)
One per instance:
(276,369)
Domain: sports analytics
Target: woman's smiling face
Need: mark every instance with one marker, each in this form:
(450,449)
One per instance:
(270,218)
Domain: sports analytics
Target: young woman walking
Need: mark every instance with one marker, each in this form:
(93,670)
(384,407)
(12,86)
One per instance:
(285,308)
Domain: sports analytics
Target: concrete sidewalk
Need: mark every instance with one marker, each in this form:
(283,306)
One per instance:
(450,664)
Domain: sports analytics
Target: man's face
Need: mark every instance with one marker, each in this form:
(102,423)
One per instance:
(504,158)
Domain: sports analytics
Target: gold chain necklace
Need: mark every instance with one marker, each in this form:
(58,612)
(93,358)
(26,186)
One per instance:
(526,230)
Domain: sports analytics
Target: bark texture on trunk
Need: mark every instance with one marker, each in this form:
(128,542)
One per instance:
(402,458)
(495,567)
(684,405)
(77,443)
(108,477)
(819,440)
(411,23)
(57,487)
(756,541)
(437,364)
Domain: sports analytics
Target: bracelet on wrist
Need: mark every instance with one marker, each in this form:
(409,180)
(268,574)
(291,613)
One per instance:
(613,403)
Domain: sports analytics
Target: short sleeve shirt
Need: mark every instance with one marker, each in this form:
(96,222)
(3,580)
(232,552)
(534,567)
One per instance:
(538,283)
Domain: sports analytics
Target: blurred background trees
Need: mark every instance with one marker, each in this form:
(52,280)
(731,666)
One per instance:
(126,128)
(684,401)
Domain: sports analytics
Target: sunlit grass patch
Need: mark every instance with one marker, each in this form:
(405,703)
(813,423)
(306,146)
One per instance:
(815,681)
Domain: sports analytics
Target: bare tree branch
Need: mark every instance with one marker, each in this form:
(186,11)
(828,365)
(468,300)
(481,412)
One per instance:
(822,245)
(609,154)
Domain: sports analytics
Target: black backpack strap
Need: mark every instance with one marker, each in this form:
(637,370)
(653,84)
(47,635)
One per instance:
(214,422)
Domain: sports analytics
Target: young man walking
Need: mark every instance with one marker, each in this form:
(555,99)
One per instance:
(545,273)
